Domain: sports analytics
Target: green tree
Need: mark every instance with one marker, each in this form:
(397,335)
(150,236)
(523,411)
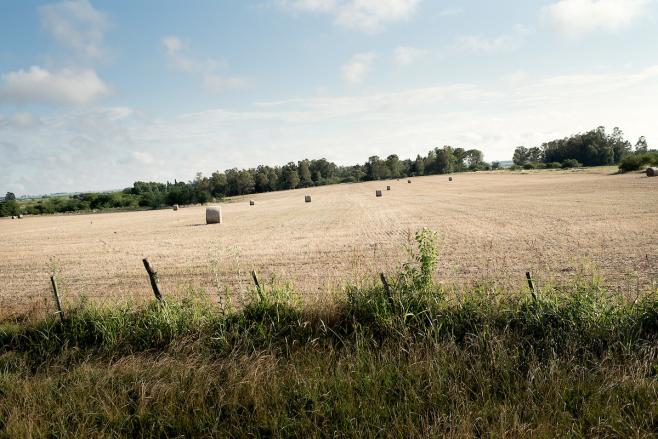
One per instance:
(304,172)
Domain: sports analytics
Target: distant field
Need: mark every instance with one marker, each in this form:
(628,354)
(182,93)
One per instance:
(492,227)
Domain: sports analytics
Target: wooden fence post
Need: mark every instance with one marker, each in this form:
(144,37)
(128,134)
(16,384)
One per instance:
(260,291)
(531,285)
(53,282)
(153,276)
(387,290)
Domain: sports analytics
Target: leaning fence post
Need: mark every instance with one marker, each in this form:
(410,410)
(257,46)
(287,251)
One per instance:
(53,282)
(255,277)
(531,285)
(387,289)
(153,276)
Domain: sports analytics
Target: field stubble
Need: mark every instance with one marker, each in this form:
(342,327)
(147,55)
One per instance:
(492,228)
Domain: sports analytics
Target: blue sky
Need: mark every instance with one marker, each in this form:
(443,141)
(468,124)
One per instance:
(97,94)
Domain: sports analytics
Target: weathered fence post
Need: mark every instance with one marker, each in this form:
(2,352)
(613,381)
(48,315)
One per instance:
(53,282)
(153,276)
(387,290)
(258,289)
(531,285)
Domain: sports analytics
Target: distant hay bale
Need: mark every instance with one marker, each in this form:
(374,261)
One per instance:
(175,207)
(449,178)
(408,181)
(252,202)
(213,215)
(13,217)
(652,172)
(307,198)
(388,188)
(20,216)
(378,193)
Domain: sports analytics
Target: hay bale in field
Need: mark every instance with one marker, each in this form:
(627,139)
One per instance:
(449,178)
(307,198)
(213,215)
(378,193)
(388,188)
(252,202)
(20,216)
(175,207)
(408,181)
(13,217)
(652,172)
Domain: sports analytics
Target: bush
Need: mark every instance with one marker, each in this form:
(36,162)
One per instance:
(571,163)
(553,165)
(529,166)
(638,161)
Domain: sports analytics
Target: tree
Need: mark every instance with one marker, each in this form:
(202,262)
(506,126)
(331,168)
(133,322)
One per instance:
(419,166)
(290,176)
(304,172)
(521,155)
(10,196)
(640,146)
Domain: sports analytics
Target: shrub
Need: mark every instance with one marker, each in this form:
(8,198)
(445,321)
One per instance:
(553,165)
(637,161)
(529,166)
(571,163)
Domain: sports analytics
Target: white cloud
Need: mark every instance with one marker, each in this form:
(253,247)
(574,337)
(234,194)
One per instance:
(76,24)
(494,116)
(578,17)
(405,55)
(207,70)
(500,43)
(449,12)
(358,67)
(60,87)
(364,15)
(172,44)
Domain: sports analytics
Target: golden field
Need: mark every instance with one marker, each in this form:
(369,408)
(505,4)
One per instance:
(493,227)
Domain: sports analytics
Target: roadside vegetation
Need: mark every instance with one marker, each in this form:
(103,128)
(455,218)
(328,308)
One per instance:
(409,360)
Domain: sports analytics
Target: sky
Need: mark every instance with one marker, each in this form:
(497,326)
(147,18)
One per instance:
(97,94)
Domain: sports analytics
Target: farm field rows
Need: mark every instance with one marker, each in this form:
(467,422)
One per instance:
(493,226)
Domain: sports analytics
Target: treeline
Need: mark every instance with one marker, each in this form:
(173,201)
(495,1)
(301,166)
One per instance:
(593,148)
(303,174)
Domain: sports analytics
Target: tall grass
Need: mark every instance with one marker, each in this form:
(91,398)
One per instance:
(575,361)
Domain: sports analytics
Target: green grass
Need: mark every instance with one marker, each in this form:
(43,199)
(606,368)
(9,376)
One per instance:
(574,362)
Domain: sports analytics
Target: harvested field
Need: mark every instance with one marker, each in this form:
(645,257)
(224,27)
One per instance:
(492,227)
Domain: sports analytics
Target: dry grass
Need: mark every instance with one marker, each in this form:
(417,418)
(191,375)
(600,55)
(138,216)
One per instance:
(492,227)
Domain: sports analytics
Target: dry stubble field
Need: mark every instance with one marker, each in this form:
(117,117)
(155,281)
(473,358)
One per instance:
(492,228)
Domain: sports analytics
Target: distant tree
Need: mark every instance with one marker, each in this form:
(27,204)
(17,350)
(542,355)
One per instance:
(521,156)
(394,166)
(290,176)
(304,173)
(641,145)
(419,166)
(10,196)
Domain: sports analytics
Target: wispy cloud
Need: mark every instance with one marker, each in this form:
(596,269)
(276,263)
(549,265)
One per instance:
(578,17)
(208,70)
(363,15)
(78,25)
(500,43)
(358,67)
(405,55)
(63,87)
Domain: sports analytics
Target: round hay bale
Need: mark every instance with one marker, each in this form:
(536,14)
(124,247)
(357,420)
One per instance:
(213,215)
(252,202)
(408,181)
(13,217)
(20,216)
(388,188)
(307,198)
(175,207)
(449,178)
(652,172)
(378,193)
